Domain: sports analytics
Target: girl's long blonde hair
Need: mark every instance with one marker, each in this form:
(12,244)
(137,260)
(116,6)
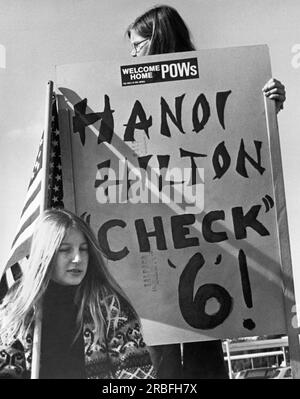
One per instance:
(19,306)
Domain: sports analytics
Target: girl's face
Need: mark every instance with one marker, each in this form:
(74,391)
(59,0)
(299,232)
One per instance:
(140,45)
(71,261)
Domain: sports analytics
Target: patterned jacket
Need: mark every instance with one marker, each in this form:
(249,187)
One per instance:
(123,354)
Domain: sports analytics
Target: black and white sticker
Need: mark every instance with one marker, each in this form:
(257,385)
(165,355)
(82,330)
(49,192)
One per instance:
(163,71)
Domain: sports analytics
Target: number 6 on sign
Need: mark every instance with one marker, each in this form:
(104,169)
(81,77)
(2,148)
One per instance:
(193,309)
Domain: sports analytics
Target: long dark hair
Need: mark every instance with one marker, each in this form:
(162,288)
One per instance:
(165,29)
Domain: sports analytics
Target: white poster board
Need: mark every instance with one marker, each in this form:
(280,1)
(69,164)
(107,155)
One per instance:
(202,259)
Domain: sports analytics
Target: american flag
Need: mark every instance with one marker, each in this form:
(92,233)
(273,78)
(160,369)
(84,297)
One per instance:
(21,244)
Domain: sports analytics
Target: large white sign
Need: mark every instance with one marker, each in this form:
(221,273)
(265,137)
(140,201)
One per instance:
(168,158)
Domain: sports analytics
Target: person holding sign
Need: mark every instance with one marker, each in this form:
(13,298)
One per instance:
(162,30)
(89,329)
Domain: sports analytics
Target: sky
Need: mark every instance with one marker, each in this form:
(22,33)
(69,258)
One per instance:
(36,35)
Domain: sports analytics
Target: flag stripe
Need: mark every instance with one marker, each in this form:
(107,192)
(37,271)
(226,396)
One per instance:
(30,210)
(24,232)
(10,277)
(14,252)
(34,183)
(27,223)
(21,251)
(16,271)
(32,197)
(3,288)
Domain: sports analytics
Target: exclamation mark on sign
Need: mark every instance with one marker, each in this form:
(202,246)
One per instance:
(247,323)
(2,57)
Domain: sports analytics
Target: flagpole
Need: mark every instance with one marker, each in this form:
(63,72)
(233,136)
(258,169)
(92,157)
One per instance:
(36,345)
